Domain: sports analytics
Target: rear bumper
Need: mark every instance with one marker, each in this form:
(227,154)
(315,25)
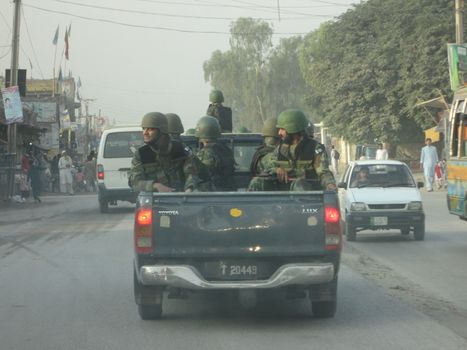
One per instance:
(121,194)
(185,276)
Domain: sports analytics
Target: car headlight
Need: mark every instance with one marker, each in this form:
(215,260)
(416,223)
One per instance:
(357,206)
(414,206)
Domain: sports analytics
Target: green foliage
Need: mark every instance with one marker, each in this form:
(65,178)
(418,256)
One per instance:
(367,70)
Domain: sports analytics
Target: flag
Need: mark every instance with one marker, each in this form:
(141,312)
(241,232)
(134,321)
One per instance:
(30,63)
(60,76)
(78,84)
(69,31)
(55,37)
(66,45)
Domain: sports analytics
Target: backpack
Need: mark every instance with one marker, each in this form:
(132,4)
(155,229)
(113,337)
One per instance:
(337,155)
(222,114)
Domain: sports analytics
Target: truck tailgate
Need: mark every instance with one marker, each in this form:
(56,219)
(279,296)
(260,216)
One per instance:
(238,224)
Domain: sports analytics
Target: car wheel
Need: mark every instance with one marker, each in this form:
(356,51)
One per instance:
(419,232)
(324,309)
(147,311)
(103,206)
(405,230)
(350,232)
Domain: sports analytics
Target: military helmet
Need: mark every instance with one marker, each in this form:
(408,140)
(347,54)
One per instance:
(208,128)
(216,96)
(155,120)
(292,121)
(269,128)
(174,123)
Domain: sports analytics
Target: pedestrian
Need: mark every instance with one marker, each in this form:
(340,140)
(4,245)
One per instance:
(24,185)
(90,173)
(428,160)
(65,165)
(335,156)
(439,175)
(381,152)
(55,173)
(163,164)
(35,176)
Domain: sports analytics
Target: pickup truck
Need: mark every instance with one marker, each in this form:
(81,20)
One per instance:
(247,242)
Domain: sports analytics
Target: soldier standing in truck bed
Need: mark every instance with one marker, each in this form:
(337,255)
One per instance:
(222,113)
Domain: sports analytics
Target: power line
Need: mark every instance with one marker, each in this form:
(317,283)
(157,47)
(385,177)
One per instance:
(176,16)
(32,46)
(142,26)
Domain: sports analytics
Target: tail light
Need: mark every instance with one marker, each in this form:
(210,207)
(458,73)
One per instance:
(100,172)
(143,230)
(332,228)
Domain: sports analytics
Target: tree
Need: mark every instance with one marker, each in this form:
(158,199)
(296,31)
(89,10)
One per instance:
(366,70)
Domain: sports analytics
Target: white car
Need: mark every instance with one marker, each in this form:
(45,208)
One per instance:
(386,197)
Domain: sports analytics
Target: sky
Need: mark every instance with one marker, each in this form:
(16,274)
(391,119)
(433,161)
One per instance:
(140,56)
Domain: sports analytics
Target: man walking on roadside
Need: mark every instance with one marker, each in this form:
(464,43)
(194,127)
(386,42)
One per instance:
(428,160)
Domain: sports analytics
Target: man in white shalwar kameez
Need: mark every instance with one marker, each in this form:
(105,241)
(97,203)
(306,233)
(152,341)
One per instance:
(428,160)
(65,164)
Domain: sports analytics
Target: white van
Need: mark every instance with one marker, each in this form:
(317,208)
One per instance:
(114,156)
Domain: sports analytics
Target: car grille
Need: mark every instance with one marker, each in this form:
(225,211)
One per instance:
(386,206)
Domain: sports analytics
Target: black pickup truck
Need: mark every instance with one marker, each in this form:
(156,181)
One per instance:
(248,242)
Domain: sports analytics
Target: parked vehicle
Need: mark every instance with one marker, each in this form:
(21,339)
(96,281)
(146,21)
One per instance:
(387,197)
(456,166)
(249,243)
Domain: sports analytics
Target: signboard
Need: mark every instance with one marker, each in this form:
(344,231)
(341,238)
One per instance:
(12,105)
(46,111)
(457,59)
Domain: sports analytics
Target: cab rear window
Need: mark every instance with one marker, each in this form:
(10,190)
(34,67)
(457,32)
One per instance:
(122,144)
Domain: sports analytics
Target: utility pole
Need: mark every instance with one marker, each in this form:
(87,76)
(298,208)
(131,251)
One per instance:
(459,21)
(12,128)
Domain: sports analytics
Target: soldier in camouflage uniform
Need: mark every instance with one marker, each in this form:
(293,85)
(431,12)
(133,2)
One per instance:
(222,113)
(261,181)
(162,164)
(298,159)
(217,157)
(175,126)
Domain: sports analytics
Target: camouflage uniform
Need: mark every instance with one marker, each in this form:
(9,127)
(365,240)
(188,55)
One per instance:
(164,161)
(306,162)
(217,158)
(261,181)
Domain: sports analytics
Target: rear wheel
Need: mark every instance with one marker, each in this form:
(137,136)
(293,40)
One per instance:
(350,232)
(419,232)
(324,309)
(103,206)
(149,300)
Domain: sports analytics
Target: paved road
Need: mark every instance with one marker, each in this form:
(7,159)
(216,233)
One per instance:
(66,283)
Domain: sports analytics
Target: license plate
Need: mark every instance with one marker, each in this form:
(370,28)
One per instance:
(379,220)
(225,270)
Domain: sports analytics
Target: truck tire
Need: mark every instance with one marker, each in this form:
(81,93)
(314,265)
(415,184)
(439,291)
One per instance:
(324,309)
(150,311)
(350,232)
(419,232)
(147,311)
(103,206)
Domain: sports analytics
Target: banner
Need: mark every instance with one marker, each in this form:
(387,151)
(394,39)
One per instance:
(46,111)
(12,105)
(457,60)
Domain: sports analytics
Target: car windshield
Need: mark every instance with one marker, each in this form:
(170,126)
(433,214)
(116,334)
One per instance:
(381,175)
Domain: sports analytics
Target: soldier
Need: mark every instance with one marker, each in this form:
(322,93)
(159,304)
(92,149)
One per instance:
(260,180)
(222,113)
(175,126)
(217,157)
(297,160)
(162,164)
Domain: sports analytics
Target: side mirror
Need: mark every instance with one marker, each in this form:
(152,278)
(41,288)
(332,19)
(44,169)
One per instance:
(342,185)
(420,184)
